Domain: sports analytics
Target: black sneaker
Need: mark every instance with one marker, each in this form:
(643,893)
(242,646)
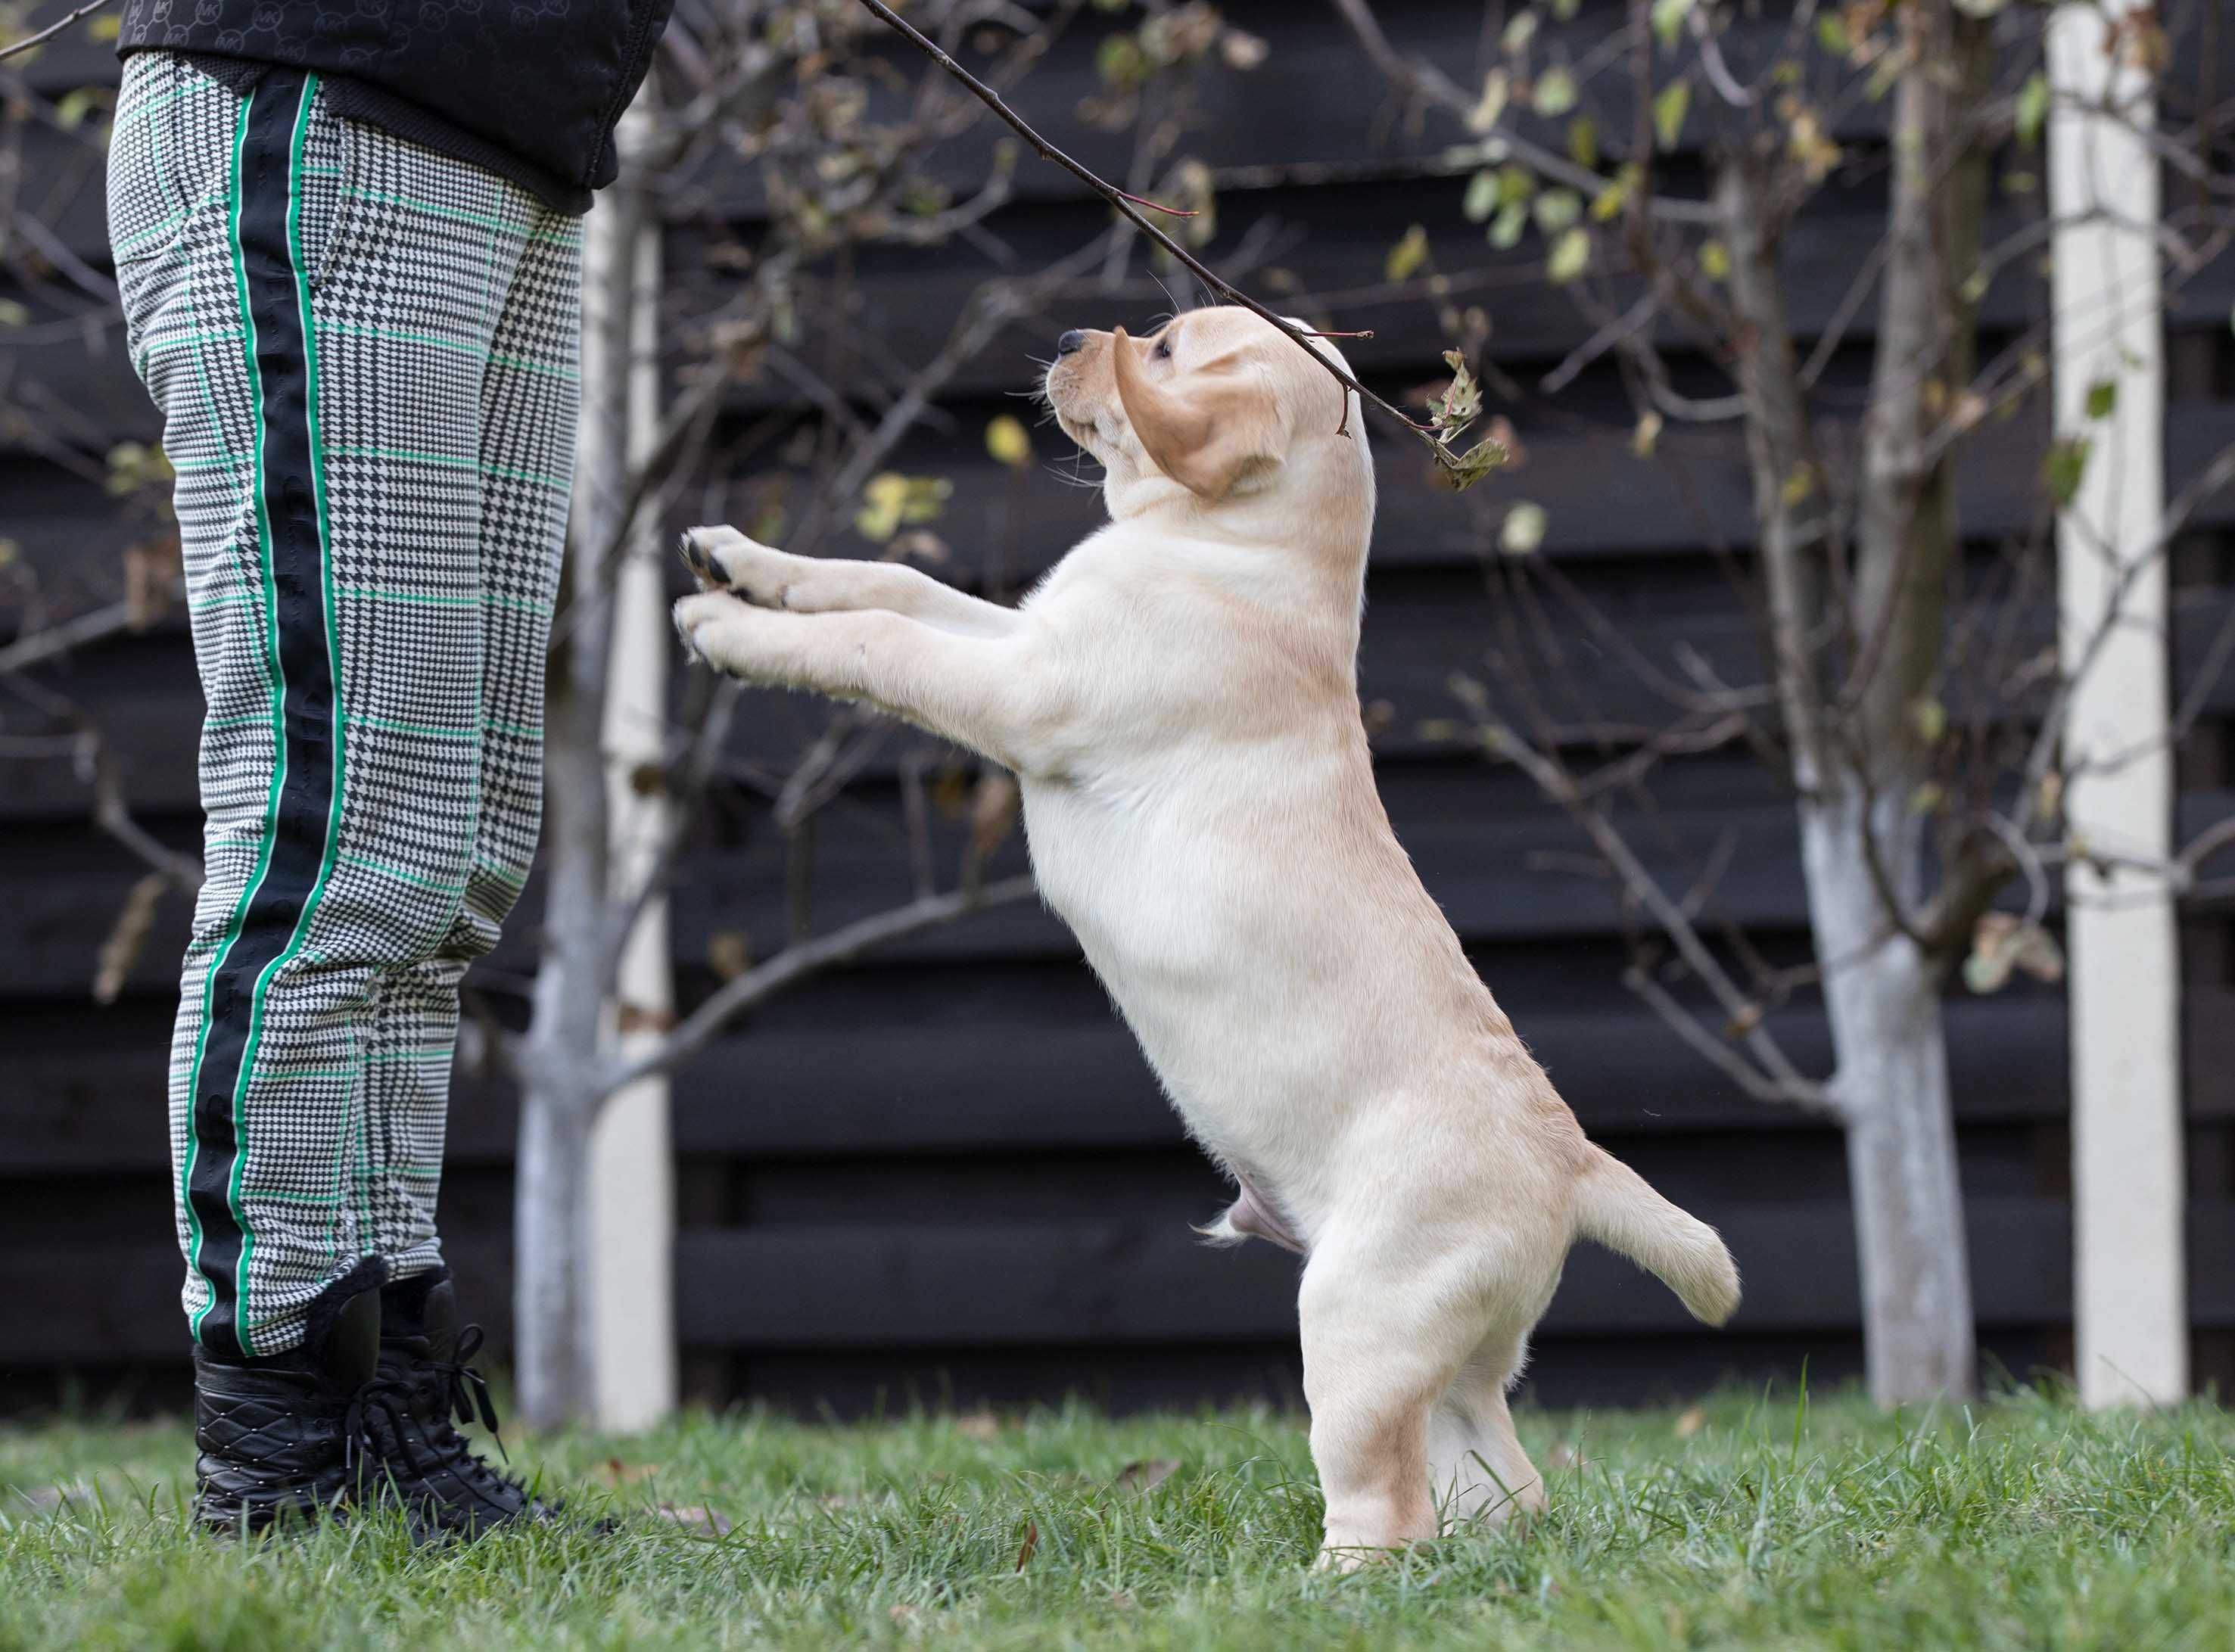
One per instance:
(427,1383)
(281,1437)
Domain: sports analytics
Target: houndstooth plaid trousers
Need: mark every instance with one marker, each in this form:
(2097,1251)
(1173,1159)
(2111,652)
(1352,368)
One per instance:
(365,354)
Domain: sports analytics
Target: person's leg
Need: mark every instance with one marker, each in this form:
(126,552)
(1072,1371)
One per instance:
(267,1053)
(313,331)
(528,392)
(261,1169)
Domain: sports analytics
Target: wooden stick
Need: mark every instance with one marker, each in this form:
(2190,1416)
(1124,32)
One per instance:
(1124,205)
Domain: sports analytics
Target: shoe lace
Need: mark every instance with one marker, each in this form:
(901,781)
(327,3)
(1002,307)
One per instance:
(465,1392)
(458,1392)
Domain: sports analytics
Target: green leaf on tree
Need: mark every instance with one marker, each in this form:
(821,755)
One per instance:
(891,501)
(1714,260)
(1481,197)
(1668,19)
(1571,255)
(1555,92)
(1008,441)
(1408,255)
(2102,398)
(1495,87)
(1557,209)
(1670,108)
(1464,469)
(1583,142)
(1611,202)
(1831,34)
(1461,403)
(2033,109)
(1523,532)
(2062,468)
(1512,220)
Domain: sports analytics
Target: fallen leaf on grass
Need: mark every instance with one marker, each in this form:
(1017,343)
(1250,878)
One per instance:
(1690,1422)
(620,1473)
(1146,1475)
(697,1519)
(978,1425)
(1031,1541)
(1568,1456)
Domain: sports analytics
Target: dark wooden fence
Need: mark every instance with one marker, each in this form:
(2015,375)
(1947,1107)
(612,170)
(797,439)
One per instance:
(947,1173)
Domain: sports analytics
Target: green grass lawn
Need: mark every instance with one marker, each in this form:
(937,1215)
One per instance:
(2018,1523)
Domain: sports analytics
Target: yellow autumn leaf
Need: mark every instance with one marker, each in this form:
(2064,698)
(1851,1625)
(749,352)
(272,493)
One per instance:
(1408,255)
(1571,255)
(1008,441)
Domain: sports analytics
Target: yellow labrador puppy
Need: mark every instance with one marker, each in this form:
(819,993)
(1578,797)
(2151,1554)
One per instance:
(1179,701)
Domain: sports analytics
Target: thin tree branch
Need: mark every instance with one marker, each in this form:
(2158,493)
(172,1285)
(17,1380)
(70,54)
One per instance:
(840,946)
(51,29)
(55,641)
(1787,1081)
(1757,1085)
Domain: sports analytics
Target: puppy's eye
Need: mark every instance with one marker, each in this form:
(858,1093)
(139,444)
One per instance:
(1165,349)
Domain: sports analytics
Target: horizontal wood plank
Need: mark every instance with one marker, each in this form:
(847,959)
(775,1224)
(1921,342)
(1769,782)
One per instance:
(1114,1281)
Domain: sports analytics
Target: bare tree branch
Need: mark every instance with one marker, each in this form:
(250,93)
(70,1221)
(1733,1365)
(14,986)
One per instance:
(52,642)
(1783,1080)
(840,946)
(51,29)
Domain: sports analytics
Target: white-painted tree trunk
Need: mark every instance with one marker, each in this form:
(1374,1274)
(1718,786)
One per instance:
(550,1357)
(560,1058)
(631,1159)
(1883,996)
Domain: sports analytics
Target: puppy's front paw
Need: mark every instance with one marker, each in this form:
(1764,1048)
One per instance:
(708,625)
(722,559)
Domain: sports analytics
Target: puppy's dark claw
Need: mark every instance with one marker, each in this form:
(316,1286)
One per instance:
(703,568)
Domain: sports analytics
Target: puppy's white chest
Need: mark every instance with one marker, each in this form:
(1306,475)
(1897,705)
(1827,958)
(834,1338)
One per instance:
(1133,883)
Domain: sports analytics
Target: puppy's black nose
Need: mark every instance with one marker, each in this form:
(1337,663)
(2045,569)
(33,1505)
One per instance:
(1070,342)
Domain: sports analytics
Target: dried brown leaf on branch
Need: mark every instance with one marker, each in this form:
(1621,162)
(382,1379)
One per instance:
(126,936)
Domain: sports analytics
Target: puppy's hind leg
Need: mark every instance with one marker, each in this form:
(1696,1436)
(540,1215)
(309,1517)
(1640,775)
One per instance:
(1477,1469)
(1380,1349)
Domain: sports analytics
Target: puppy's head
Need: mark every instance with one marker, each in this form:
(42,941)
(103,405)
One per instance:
(1215,405)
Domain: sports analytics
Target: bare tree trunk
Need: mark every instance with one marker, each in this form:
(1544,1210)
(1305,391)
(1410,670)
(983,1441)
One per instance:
(551,1271)
(1858,755)
(1883,995)
(1865,857)
(560,1061)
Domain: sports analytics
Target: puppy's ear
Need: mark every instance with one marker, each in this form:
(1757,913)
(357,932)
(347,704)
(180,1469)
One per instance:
(1205,427)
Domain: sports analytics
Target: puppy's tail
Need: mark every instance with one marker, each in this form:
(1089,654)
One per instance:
(1615,1206)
